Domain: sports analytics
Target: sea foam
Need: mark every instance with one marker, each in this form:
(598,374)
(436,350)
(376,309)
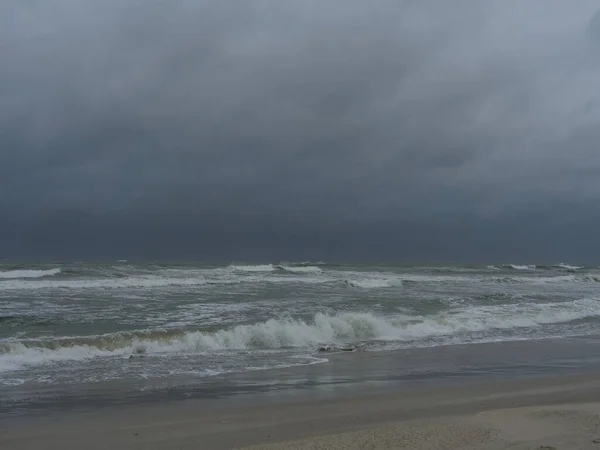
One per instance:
(300,269)
(28,273)
(568,267)
(253,268)
(284,333)
(521,267)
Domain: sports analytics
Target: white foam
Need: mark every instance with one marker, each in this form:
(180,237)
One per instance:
(521,267)
(302,269)
(369,284)
(255,268)
(12,382)
(105,283)
(157,281)
(308,361)
(568,267)
(272,334)
(560,279)
(28,273)
(272,268)
(590,279)
(373,280)
(537,280)
(20,355)
(257,274)
(348,327)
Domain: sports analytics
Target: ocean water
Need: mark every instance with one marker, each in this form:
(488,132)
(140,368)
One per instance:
(76,327)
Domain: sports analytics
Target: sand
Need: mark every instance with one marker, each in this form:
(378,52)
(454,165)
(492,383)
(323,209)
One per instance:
(575,426)
(550,413)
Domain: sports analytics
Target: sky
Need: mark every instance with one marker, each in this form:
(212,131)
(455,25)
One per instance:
(272,129)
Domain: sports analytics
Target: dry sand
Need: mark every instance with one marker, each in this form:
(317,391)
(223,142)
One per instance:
(550,413)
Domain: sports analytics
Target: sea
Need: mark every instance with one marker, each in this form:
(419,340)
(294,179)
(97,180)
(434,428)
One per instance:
(81,334)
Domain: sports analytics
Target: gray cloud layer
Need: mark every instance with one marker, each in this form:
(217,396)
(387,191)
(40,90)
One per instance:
(381,117)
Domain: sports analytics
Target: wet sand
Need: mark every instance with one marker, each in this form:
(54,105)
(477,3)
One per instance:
(545,413)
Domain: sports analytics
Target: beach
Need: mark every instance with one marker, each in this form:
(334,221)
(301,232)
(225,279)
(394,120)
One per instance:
(541,413)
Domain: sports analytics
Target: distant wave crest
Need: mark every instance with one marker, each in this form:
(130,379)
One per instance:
(521,267)
(28,273)
(568,267)
(253,268)
(376,283)
(299,269)
(528,267)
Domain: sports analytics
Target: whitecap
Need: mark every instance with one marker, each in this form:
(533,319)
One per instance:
(28,273)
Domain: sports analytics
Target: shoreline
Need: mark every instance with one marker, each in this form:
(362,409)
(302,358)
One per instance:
(484,415)
(345,374)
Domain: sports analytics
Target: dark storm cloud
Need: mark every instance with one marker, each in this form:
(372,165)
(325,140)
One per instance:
(302,111)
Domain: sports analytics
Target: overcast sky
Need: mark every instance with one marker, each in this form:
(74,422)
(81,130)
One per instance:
(400,129)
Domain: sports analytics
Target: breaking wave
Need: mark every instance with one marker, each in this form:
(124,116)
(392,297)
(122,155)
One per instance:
(521,267)
(147,282)
(28,273)
(547,280)
(367,284)
(342,328)
(310,263)
(529,267)
(107,283)
(255,268)
(568,267)
(300,269)
(375,283)
(590,279)
(536,280)
(390,282)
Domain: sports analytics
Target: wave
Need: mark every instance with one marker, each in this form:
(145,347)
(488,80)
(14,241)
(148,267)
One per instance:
(367,284)
(28,273)
(533,280)
(561,266)
(568,267)
(374,280)
(521,267)
(255,268)
(590,279)
(339,329)
(108,283)
(300,269)
(547,280)
(450,269)
(380,283)
(376,283)
(151,281)
(302,263)
(112,277)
